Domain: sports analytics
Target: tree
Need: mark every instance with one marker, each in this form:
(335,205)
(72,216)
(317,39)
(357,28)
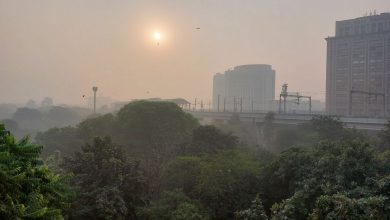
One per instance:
(209,139)
(65,140)
(384,137)
(173,205)
(155,126)
(280,179)
(47,102)
(155,132)
(297,136)
(29,189)
(183,173)
(327,127)
(29,119)
(108,184)
(228,182)
(61,116)
(351,169)
(341,207)
(255,212)
(13,126)
(103,125)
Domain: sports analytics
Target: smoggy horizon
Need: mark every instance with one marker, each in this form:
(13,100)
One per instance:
(60,49)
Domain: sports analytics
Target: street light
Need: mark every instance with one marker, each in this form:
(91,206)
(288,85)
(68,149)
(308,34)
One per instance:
(94,89)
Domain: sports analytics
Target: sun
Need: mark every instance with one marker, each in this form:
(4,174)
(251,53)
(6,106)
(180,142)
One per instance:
(157,36)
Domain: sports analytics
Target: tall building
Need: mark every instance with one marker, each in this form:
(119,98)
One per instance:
(244,88)
(358,67)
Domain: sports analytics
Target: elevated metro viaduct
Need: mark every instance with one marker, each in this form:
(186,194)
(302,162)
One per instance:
(374,124)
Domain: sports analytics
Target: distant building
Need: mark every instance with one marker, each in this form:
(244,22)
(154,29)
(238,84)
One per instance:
(358,67)
(246,88)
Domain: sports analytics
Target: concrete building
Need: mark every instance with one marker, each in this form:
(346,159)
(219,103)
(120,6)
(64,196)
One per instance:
(358,67)
(244,88)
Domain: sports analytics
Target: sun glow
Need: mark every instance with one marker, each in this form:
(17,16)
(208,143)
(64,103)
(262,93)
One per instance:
(157,36)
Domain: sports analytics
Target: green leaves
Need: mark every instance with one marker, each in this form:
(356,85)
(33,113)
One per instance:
(27,188)
(332,181)
(108,184)
(254,212)
(224,182)
(339,206)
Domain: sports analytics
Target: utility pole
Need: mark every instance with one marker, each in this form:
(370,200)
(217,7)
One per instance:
(252,105)
(94,89)
(284,94)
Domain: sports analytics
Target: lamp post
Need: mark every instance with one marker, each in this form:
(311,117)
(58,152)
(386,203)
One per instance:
(94,89)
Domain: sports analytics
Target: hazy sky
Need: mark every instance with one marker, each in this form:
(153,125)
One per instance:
(61,48)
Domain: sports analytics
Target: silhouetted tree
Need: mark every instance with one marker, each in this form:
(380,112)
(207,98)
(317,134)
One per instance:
(47,102)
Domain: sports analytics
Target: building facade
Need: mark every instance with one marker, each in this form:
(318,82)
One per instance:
(244,88)
(358,67)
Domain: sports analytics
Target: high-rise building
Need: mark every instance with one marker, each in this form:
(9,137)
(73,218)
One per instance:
(244,88)
(358,67)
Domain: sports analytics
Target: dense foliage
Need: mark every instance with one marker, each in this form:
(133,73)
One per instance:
(29,189)
(108,184)
(171,167)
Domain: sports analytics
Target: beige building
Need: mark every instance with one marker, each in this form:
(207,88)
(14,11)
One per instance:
(244,88)
(358,67)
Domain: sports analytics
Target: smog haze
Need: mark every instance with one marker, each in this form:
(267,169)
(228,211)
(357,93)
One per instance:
(62,48)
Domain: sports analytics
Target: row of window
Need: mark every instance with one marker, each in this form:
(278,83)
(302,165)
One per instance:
(363,28)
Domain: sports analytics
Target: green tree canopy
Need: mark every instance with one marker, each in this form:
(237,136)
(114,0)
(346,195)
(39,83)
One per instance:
(352,169)
(173,205)
(28,189)
(209,139)
(108,184)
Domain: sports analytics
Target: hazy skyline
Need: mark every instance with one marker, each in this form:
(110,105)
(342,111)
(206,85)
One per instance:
(61,48)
